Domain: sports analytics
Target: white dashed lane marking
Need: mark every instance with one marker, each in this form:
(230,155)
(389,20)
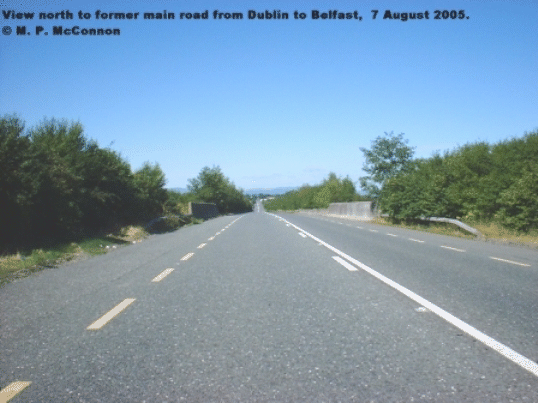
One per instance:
(415,240)
(451,248)
(502,349)
(201,245)
(510,261)
(345,264)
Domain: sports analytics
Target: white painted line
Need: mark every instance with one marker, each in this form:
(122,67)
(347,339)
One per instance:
(201,245)
(505,351)
(510,261)
(187,256)
(415,240)
(107,317)
(373,230)
(218,233)
(345,264)
(359,227)
(12,390)
(210,239)
(162,275)
(303,235)
(451,248)
(396,236)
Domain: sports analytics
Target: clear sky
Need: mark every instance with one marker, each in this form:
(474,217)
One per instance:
(275,102)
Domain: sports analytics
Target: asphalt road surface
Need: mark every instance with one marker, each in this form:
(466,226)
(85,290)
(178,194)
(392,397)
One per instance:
(277,308)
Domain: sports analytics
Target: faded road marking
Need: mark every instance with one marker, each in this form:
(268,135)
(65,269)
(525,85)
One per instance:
(162,275)
(107,317)
(11,390)
(201,245)
(187,256)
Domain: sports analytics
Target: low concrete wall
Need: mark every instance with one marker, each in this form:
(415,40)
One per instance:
(203,210)
(360,210)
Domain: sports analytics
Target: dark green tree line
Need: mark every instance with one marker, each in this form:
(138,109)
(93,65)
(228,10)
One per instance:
(476,181)
(55,183)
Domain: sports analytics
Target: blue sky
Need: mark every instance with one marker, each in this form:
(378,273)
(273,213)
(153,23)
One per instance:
(276,102)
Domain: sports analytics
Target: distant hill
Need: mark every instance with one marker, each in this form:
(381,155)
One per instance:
(271,191)
(180,190)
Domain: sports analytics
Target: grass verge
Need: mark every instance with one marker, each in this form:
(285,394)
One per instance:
(491,231)
(28,261)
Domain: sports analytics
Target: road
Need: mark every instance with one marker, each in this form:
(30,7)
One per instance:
(277,308)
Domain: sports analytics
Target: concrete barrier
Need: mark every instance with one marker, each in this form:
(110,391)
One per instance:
(203,210)
(359,210)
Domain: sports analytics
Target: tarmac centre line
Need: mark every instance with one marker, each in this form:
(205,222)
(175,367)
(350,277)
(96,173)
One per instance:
(505,351)
(162,275)
(201,245)
(107,317)
(12,390)
(187,256)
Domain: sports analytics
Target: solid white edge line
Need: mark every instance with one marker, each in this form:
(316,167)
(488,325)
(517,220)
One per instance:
(510,261)
(163,274)
(303,235)
(506,351)
(345,264)
(107,317)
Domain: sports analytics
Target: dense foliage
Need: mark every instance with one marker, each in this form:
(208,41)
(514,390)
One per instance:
(212,186)
(477,181)
(331,190)
(55,183)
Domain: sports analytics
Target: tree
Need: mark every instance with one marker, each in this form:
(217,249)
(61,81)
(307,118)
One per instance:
(388,157)
(213,187)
